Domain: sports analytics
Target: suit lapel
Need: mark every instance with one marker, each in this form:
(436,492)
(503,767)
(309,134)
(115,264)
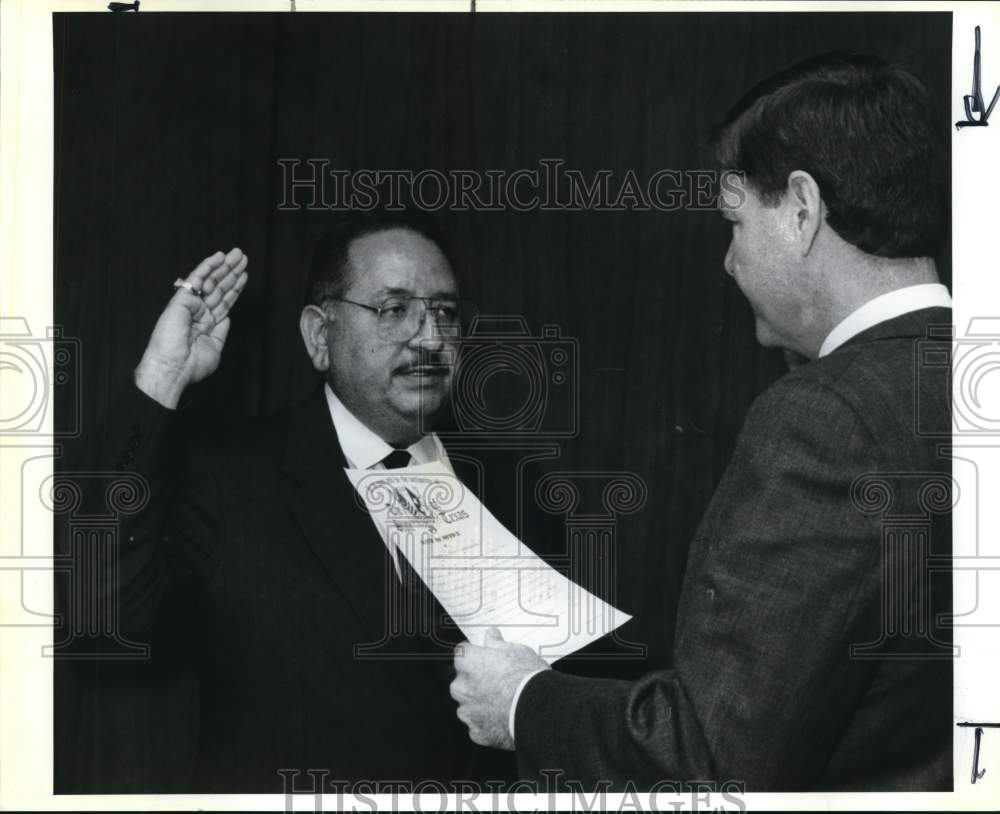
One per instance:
(336,525)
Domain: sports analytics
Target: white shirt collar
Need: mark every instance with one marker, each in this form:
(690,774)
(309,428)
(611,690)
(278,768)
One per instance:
(363,449)
(885,307)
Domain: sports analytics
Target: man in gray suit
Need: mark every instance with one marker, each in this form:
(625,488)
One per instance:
(808,652)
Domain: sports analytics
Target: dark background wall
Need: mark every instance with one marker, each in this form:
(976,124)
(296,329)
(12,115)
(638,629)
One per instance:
(169,129)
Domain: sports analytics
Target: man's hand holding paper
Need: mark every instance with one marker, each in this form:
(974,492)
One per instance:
(487,682)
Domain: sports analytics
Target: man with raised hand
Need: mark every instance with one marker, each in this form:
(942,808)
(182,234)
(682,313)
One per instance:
(810,652)
(254,537)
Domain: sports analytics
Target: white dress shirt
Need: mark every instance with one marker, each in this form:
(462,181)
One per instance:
(883,308)
(363,449)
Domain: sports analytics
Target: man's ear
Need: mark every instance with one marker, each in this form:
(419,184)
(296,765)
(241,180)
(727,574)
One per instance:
(808,209)
(312,324)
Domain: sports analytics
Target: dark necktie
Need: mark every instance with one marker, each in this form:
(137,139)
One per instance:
(397,459)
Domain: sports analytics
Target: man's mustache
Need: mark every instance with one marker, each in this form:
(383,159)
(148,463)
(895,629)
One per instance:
(430,362)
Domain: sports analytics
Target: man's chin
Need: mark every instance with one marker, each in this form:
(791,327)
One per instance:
(423,405)
(766,337)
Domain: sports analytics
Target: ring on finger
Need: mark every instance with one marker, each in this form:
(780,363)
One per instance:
(179,283)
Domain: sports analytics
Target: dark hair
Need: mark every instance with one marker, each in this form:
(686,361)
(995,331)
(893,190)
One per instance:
(329,270)
(863,129)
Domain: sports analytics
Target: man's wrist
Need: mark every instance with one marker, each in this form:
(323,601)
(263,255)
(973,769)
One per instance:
(159,382)
(517,695)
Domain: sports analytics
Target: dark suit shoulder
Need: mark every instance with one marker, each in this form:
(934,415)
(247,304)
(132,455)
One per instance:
(880,377)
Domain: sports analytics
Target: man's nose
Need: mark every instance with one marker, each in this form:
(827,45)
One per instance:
(728,262)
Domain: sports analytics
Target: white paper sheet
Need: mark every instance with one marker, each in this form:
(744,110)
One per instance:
(482,575)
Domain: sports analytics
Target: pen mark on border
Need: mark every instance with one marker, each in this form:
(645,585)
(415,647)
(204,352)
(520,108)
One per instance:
(977,773)
(974,102)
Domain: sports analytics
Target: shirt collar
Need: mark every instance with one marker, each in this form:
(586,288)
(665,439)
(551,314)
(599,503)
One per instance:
(363,449)
(885,307)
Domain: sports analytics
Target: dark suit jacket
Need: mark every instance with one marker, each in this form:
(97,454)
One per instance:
(817,539)
(255,540)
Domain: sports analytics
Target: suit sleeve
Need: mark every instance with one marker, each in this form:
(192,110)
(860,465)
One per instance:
(165,548)
(782,577)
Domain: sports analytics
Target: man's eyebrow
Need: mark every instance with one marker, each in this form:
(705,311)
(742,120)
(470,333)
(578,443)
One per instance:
(406,292)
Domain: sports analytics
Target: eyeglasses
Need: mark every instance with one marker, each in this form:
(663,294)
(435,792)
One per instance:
(401,318)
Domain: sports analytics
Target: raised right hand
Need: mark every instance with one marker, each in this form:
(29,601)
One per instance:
(186,344)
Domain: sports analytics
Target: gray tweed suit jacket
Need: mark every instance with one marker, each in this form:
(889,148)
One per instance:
(810,652)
